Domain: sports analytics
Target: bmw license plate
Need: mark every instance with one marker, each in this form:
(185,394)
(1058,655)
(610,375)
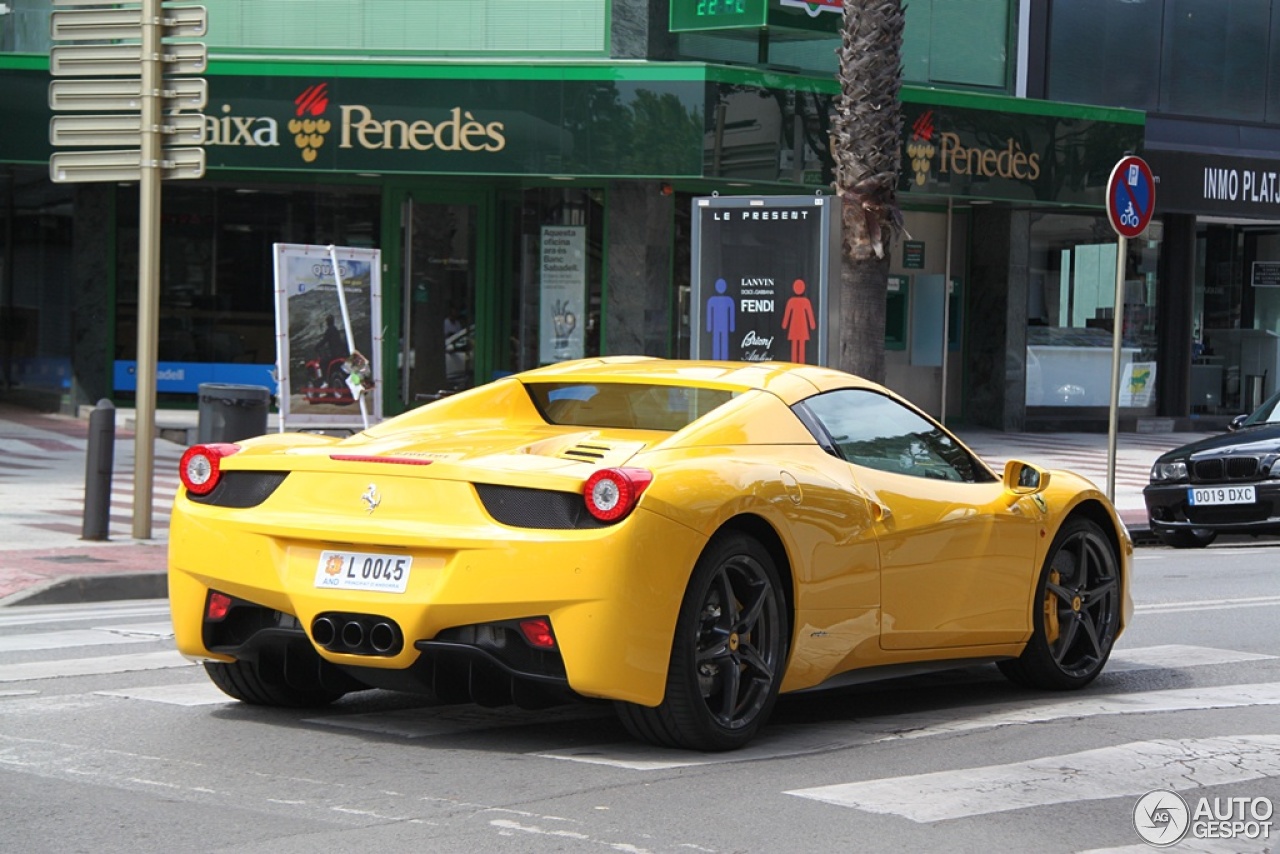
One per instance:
(363,571)
(1206,495)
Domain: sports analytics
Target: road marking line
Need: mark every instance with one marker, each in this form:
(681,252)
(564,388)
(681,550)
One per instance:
(1207,605)
(72,638)
(1176,655)
(192,694)
(1109,772)
(40,615)
(777,743)
(101,666)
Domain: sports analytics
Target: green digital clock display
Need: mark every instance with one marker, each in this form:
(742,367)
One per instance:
(689,15)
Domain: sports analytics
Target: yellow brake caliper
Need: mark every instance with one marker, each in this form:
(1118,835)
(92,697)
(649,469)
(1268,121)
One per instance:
(1050,609)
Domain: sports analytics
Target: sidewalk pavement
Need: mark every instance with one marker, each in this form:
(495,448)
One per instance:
(43,559)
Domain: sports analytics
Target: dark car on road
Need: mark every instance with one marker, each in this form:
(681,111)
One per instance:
(1221,484)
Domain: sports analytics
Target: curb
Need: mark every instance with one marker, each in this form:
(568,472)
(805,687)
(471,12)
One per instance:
(93,588)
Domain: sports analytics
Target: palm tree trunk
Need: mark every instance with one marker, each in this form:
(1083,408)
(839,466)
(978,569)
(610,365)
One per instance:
(866,143)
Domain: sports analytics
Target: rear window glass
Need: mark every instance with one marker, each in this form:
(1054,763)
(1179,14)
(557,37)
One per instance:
(631,406)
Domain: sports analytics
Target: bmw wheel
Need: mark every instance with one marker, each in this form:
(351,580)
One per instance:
(1077,612)
(728,654)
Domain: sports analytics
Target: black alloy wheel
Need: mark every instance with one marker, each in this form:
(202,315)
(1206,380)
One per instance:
(1077,612)
(728,655)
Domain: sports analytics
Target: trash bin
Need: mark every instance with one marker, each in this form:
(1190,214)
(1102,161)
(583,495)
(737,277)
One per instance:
(229,413)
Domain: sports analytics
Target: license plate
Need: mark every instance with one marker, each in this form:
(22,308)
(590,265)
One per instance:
(1206,495)
(363,571)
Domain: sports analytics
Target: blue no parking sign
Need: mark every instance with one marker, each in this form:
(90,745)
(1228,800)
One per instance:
(1131,196)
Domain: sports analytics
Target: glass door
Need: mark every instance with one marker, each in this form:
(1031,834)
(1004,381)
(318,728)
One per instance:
(438,354)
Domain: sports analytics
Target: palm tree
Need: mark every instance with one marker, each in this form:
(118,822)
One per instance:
(866,142)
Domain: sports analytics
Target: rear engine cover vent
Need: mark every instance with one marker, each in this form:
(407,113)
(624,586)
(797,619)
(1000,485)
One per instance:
(587,452)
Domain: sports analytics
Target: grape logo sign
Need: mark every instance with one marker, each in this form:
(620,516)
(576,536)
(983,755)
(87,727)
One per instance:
(309,128)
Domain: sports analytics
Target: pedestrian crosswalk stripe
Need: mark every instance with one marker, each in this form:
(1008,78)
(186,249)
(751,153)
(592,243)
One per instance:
(75,638)
(1176,655)
(191,694)
(32,670)
(1125,770)
(43,615)
(802,740)
(1207,605)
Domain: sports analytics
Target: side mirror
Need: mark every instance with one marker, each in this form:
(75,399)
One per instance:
(1024,478)
(1237,422)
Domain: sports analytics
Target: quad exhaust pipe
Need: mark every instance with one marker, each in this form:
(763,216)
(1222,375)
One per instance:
(357,634)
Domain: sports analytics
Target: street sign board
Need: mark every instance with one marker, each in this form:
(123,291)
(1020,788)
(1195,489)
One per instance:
(70,167)
(123,129)
(181,22)
(180,93)
(1131,196)
(105,60)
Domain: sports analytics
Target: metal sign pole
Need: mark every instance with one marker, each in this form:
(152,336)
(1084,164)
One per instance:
(946,315)
(148,270)
(346,325)
(1117,341)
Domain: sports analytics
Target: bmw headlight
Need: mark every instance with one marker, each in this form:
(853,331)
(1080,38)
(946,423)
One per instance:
(1175,470)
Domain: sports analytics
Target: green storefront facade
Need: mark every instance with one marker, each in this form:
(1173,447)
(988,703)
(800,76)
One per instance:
(455,171)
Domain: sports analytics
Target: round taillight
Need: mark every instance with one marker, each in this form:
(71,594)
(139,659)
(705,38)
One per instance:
(612,493)
(201,466)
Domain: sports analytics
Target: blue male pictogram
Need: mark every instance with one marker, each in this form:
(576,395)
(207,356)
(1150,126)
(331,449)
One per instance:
(720,320)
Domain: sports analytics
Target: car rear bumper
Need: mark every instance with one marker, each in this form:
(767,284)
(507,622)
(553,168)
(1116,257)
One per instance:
(611,594)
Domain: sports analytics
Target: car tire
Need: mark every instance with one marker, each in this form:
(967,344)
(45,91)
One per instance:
(1192,538)
(727,658)
(243,681)
(1076,611)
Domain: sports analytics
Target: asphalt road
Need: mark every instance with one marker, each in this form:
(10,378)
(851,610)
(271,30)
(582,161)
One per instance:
(109,742)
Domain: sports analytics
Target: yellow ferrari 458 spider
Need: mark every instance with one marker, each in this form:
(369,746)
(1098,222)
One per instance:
(684,539)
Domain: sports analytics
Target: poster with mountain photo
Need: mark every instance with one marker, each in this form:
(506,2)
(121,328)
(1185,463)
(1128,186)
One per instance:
(329,362)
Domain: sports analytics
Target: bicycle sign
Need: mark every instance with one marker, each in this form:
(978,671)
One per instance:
(1131,196)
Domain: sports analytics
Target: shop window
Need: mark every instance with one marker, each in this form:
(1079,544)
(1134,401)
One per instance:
(216,270)
(38,290)
(555,303)
(1070,314)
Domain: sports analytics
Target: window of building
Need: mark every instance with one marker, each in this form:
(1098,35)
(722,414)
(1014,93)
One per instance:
(1070,313)
(554,303)
(217,301)
(1215,56)
(1104,52)
(37,286)
(945,42)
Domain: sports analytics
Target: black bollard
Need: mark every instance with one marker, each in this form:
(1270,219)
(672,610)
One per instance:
(99,458)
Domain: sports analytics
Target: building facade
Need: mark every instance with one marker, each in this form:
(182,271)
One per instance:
(462,146)
(1204,72)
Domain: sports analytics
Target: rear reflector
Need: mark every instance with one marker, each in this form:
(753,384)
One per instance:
(219,605)
(538,633)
